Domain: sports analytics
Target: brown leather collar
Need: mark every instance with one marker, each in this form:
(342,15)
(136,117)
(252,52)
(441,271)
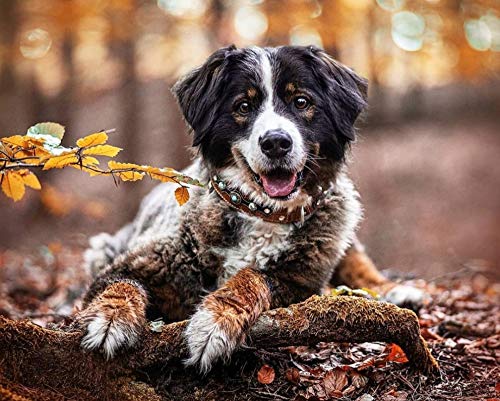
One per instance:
(235,199)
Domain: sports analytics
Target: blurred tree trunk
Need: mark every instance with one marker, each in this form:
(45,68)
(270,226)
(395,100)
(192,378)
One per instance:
(65,98)
(129,126)
(8,22)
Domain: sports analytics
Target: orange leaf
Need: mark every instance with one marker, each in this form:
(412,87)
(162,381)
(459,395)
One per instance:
(16,140)
(130,176)
(181,195)
(30,179)
(126,175)
(113,165)
(396,354)
(161,174)
(60,161)
(102,150)
(266,374)
(13,185)
(98,138)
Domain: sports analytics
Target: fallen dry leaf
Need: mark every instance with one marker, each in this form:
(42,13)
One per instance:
(334,382)
(396,354)
(292,375)
(266,374)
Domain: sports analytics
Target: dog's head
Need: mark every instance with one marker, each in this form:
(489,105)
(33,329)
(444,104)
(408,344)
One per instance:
(272,121)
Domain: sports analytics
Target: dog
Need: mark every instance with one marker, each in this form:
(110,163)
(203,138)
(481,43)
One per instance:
(272,128)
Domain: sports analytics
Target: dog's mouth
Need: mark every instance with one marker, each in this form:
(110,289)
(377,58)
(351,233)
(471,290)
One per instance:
(279,183)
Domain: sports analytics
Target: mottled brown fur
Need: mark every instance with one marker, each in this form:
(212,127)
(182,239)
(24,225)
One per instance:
(239,303)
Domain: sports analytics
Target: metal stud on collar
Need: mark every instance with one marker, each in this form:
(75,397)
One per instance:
(237,200)
(235,197)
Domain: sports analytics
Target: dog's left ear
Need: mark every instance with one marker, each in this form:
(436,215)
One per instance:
(347,92)
(198,91)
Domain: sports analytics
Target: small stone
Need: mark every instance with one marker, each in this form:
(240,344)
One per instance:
(281,218)
(222,185)
(267,211)
(252,206)
(365,397)
(215,178)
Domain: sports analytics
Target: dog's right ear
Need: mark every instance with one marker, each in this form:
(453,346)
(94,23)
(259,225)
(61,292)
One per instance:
(197,93)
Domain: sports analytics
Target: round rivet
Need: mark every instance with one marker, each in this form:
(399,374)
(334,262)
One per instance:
(320,188)
(267,211)
(222,185)
(215,178)
(281,218)
(252,206)
(235,197)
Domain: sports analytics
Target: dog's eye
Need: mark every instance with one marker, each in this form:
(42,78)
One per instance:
(244,108)
(301,102)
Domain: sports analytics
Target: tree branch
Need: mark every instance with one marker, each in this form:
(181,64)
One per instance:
(26,349)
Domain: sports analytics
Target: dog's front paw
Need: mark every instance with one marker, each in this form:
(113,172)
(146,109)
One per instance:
(114,319)
(406,296)
(211,336)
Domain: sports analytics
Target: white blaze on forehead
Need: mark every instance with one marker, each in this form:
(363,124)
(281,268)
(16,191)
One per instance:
(268,120)
(267,75)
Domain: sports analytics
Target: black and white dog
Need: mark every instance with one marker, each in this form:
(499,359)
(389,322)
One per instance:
(273,126)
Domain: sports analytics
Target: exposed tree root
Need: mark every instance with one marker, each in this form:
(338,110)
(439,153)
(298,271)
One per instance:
(43,364)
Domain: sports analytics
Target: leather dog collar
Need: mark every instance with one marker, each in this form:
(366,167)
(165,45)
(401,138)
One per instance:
(235,199)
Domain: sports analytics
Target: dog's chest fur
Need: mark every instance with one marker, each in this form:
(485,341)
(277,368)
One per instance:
(259,242)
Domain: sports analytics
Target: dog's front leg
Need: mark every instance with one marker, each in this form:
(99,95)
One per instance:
(220,323)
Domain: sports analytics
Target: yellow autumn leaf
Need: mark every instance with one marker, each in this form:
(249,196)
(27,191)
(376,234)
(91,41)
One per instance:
(129,175)
(161,174)
(16,140)
(30,179)
(89,160)
(98,138)
(181,195)
(13,185)
(102,150)
(114,165)
(60,161)
(125,175)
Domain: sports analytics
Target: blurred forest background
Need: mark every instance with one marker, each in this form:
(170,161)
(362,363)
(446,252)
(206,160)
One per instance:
(427,162)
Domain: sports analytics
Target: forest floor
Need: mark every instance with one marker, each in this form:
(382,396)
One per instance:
(461,323)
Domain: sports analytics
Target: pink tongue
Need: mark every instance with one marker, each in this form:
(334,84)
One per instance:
(279,186)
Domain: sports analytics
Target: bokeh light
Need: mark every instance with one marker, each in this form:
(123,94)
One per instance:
(35,43)
(191,9)
(250,23)
(478,34)
(407,30)
(390,5)
(493,23)
(317,10)
(302,35)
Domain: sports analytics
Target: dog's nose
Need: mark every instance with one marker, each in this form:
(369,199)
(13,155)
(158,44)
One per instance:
(275,143)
